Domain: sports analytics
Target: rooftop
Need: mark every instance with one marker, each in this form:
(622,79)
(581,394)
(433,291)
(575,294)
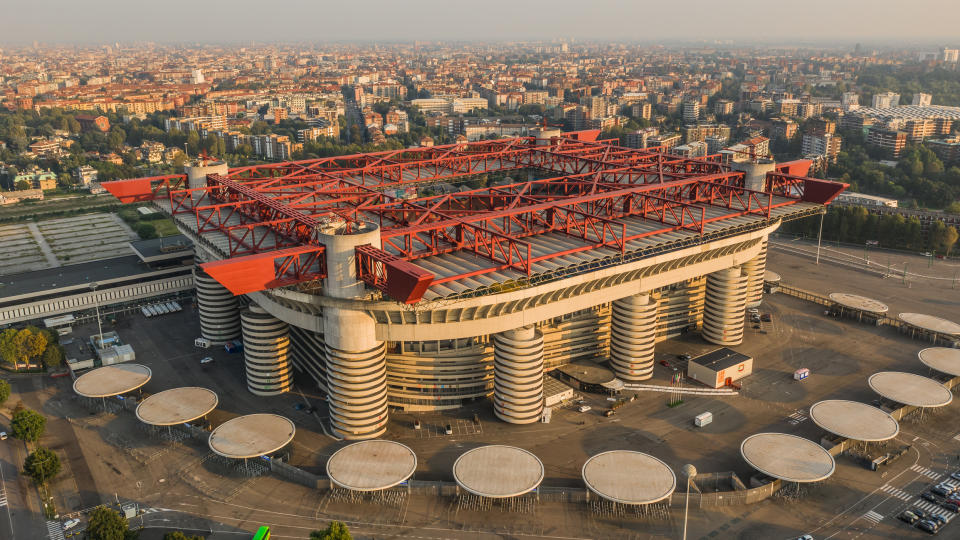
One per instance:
(112,380)
(941,359)
(371,465)
(498,471)
(910,389)
(787,457)
(861,303)
(158,249)
(253,435)
(931,323)
(176,406)
(720,359)
(854,420)
(629,477)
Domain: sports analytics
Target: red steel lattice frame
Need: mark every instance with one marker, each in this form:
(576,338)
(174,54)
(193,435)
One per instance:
(265,211)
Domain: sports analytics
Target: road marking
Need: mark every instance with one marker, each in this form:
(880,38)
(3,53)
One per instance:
(956,437)
(796,417)
(926,472)
(55,530)
(896,492)
(873,517)
(3,497)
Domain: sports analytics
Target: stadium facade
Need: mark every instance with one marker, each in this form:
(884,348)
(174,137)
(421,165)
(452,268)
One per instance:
(425,278)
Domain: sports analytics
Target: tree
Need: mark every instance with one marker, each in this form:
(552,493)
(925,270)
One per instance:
(107,524)
(4,391)
(42,464)
(335,531)
(21,346)
(53,356)
(950,239)
(22,185)
(177,535)
(27,425)
(146,231)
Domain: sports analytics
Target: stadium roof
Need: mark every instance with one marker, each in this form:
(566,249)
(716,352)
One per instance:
(591,204)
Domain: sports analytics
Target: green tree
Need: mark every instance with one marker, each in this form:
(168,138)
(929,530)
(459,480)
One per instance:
(146,231)
(53,356)
(21,346)
(177,535)
(27,425)
(22,185)
(42,464)
(335,531)
(107,524)
(950,239)
(4,391)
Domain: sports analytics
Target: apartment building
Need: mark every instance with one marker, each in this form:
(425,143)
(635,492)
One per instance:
(885,100)
(782,128)
(639,138)
(691,111)
(921,99)
(891,141)
(700,132)
(821,144)
(196,123)
(723,107)
(947,149)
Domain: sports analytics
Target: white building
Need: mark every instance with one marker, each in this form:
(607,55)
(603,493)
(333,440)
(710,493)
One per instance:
(850,101)
(196,77)
(922,100)
(885,100)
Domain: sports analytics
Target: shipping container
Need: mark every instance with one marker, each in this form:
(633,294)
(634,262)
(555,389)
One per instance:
(703,419)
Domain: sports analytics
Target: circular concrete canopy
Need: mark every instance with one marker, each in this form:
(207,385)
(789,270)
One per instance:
(371,465)
(498,471)
(931,323)
(857,302)
(176,406)
(942,359)
(854,420)
(629,477)
(112,380)
(787,457)
(253,435)
(771,276)
(910,389)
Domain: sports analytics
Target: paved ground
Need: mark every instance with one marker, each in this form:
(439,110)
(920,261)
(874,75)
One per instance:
(181,485)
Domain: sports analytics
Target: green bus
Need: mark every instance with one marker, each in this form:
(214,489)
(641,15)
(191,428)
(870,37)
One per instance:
(263,533)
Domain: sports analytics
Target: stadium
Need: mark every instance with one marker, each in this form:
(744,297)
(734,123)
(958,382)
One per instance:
(427,278)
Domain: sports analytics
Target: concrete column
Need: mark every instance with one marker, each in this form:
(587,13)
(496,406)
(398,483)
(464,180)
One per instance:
(266,344)
(355,360)
(633,331)
(518,375)
(725,307)
(754,269)
(755,172)
(219,309)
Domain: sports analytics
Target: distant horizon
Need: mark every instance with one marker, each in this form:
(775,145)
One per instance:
(879,24)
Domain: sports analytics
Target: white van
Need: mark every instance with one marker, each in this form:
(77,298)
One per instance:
(584,408)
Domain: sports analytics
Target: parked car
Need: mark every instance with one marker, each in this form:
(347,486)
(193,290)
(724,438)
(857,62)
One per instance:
(927,526)
(206,360)
(753,311)
(940,490)
(919,513)
(70,523)
(449,429)
(684,356)
(952,506)
(609,413)
(766,317)
(583,408)
(927,496)
(937,518)
(908,517)
(805,537)
(956,475)
(664,363)
(3,435)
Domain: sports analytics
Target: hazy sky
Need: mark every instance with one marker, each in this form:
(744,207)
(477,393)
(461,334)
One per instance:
(807,21)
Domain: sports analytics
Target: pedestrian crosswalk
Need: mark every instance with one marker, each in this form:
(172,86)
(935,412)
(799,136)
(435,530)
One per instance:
(873,517)
(926,472)
(3,497)
(55,530)
(896,492)
(796,417)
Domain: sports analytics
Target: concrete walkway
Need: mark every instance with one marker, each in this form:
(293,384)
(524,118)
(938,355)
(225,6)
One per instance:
(44,246)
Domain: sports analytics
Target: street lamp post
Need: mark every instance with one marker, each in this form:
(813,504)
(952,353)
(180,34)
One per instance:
(820,235)
(689,471)
(96,306)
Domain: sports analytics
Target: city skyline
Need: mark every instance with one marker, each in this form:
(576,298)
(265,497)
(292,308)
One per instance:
(182,22)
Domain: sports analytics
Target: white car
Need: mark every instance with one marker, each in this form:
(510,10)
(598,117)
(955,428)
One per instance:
(70,523)
(3,435)
(206,360)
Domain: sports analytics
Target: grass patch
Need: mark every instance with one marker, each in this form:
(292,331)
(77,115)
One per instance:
(165,227)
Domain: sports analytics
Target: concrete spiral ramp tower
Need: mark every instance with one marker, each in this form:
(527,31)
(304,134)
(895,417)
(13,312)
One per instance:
(518,375)
(266,344)
(219,309)
(755,269)
(725,306)
(633,330)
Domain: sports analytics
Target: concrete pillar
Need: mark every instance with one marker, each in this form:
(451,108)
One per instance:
(518,375)
(725,307)
(219,309)
(633,331)
(266,344)
(197,173)
(756,172)
(356,368)
(754,269)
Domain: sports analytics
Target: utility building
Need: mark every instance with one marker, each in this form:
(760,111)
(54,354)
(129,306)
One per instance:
(720,367)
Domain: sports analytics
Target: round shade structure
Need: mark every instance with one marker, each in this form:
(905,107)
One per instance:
(629,477)
(910,389)
(941,359)
(860,303)
(930,323)
(371,465)
(176,406)
(112,380)
(787,457)
(253,435)
(770,276)
(854,420)
(497,471)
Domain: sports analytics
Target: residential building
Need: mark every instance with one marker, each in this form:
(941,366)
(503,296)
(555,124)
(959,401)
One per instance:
(196,123)
(45,148)
(715,144)
(37,178)
(782,128)
(641,110)
(723,107)
(692,149)
(921,100)
(821,144)
(850,101)
(885,100)
(700,132)
(639,138)
(947,149)
(666,141)
(691,111)
(85,175)
(891,141)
